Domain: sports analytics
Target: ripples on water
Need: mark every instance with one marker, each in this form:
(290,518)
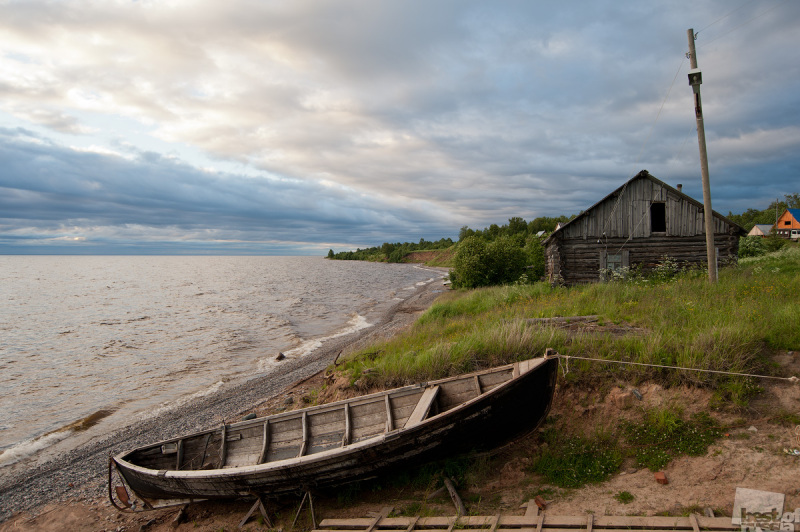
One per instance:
(90,336)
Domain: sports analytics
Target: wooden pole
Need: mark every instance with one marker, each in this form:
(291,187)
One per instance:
(460,509)
(711,254)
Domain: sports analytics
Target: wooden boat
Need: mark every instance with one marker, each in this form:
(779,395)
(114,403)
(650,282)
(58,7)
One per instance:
(349,440)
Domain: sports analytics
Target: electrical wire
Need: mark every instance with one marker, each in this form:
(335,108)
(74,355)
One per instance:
(725,16)
(776,6)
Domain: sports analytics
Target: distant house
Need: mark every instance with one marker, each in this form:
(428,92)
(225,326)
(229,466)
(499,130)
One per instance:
(761,230)
(788,225)
(636,225)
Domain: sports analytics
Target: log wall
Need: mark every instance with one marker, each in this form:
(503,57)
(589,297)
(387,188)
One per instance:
(579,261)
(621,224)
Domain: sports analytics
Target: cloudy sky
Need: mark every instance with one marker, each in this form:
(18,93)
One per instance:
(292,127)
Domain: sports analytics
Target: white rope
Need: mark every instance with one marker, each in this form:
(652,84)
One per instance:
(792,379)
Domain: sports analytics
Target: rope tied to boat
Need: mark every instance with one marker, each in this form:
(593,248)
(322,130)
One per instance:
(565,368)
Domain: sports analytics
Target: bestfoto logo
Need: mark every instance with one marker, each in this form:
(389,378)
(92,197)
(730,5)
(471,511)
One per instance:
(760,521)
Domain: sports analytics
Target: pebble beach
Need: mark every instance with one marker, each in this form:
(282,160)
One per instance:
(81,474)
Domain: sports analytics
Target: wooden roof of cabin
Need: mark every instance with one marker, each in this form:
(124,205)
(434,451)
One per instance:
(644,174)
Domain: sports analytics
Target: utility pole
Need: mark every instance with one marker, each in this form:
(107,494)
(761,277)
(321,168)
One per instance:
(695,79)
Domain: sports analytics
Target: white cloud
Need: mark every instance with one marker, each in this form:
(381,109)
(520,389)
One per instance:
(452,113)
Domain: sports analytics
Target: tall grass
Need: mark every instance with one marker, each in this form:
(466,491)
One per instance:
(685,322)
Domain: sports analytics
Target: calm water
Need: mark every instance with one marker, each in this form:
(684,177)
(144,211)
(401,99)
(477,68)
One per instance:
(131,335)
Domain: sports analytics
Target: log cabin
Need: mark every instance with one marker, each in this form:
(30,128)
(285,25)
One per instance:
(635,226)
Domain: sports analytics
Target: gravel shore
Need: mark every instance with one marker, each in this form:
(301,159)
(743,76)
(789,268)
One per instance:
(82,472)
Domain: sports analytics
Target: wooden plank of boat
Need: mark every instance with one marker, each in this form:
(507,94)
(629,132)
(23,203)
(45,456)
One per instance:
(326,445)
(423,406)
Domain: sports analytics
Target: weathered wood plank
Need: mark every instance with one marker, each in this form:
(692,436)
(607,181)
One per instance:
(389,417)
(492,380)
(179,461)
(693,521)
(371,420)
(348,427)
(421,526)
(423,406)
(364,412)
(385,511)
(304,445)
(264,443)
(548,522)
(223,451)
(325,422)
(287,430)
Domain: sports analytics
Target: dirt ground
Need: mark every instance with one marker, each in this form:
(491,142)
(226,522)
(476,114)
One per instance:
(750,455)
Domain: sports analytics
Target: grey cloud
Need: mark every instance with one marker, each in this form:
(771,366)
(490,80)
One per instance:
(46,185)
(420,115)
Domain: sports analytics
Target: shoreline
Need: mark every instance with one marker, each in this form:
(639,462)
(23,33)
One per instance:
(81,473)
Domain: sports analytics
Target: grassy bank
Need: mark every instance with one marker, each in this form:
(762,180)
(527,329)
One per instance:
(679,321)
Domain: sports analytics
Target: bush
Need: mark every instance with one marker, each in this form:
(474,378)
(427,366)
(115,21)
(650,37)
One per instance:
(535,257)
(469,264)
(774,243)
(478,263)
(751,246)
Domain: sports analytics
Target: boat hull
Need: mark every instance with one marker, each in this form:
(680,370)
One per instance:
(495,417)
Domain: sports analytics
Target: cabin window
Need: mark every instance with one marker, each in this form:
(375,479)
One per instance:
(658,217)
(787,222)
(614,261)
(614,264)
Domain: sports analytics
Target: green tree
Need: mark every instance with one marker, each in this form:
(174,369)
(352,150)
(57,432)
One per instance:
(387,248)
(478,263)
(465,232)
(506,260)
(517,225)
(546,223)
(470,264)
(330,254)
(751,216)
(534,251)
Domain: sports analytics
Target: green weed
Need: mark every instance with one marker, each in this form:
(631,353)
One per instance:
(664,434)
(625,497)
(572,461)
(785,418)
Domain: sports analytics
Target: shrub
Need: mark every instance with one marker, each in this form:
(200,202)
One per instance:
(506,259)
(478,263)
(773,242)
(535,257)
(751,246)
